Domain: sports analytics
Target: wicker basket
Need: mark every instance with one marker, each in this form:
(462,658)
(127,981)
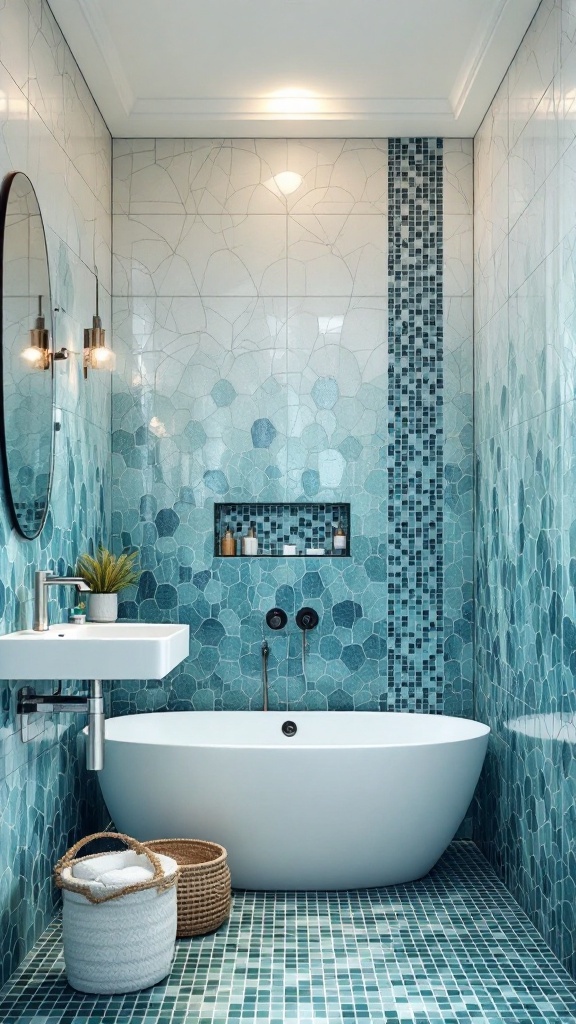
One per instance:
(203,885)
(122,940)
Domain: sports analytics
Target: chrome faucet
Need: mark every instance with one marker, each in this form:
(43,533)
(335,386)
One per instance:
(265,653)
(92,703)
(43,580)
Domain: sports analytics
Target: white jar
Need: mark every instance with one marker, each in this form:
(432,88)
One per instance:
(339,539)
(250,543)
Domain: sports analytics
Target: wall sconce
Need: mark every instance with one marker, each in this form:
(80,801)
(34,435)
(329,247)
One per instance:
(97,355)
(37,353)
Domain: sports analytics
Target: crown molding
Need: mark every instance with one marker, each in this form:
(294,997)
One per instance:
(494,48)
(127,114)
(320,108)
(86,17)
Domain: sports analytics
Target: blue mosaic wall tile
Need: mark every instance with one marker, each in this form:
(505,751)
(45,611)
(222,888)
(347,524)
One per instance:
(526,473)
(45,805)
(234,391)
(415,461)
(457,412)
(46,797)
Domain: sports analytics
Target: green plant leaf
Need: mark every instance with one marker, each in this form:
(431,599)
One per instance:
(107,573)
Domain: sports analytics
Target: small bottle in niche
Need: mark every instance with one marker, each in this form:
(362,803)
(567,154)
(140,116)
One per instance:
(228,543)
(339,539)
(250,542)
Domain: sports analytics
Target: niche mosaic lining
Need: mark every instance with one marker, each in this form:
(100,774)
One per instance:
(415,463)
(301,524)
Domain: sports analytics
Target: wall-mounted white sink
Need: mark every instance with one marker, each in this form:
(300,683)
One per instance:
(115,650)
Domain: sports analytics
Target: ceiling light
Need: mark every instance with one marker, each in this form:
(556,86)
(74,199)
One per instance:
(293,102)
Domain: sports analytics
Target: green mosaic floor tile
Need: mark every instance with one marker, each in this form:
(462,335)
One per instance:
(453,948)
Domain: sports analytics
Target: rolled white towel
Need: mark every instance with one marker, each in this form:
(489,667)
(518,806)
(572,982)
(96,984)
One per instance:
(125,876)
(95,866)
(86,870)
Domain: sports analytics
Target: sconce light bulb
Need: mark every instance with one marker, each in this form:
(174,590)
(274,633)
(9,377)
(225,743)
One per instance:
(97,355)
(37,358)
(102,358)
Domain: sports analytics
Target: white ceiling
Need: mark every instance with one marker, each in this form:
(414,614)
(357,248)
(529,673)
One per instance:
(293,68)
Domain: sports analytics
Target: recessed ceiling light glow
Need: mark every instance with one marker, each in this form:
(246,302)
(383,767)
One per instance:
(294,101)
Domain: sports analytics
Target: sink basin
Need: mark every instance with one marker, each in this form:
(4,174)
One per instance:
(115,650)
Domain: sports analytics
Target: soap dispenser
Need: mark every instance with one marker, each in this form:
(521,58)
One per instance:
(228,542)
(250,542)
(339,539)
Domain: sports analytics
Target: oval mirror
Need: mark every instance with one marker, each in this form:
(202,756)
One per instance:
(26,361)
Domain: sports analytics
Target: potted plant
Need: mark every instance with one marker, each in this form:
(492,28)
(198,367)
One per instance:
(106,574)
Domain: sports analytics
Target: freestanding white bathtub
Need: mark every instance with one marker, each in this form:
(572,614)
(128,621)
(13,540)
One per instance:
(353,799)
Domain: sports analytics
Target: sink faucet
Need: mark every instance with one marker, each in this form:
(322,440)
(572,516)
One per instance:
(43,580)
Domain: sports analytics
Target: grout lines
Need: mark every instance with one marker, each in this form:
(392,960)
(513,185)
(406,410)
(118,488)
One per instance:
(452,948)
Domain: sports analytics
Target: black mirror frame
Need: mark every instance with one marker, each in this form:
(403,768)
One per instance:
(4,199)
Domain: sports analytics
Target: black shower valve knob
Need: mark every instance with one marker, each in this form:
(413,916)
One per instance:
(276,618)
(307,618)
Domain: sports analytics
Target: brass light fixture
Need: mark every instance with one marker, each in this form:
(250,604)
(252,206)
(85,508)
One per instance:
(97,355)
(37,353)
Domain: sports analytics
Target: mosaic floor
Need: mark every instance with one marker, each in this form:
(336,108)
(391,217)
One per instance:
(454,948)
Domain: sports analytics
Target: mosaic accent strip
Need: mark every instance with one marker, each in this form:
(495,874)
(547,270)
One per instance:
(301,525)
(415,463)
(453,948)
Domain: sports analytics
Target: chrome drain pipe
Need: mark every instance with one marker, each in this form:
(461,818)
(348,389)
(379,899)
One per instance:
(92,704)
(96,721)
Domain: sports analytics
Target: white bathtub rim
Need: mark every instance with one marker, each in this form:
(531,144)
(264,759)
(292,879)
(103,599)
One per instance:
(480,732)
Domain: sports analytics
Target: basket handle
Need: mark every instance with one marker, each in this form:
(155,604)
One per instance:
(67,860)
(158,880)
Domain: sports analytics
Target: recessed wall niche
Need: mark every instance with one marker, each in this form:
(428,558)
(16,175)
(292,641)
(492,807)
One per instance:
(307,527)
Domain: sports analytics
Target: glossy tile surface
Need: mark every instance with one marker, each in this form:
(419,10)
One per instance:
(452,948)
(526,483)
(252,328)
(457,381)
(52,130)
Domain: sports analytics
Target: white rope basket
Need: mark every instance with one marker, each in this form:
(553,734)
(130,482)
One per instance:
(121,940)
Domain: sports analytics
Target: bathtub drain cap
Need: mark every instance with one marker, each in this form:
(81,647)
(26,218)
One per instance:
(289,728)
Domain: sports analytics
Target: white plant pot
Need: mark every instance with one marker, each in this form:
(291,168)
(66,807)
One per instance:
(102,607)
